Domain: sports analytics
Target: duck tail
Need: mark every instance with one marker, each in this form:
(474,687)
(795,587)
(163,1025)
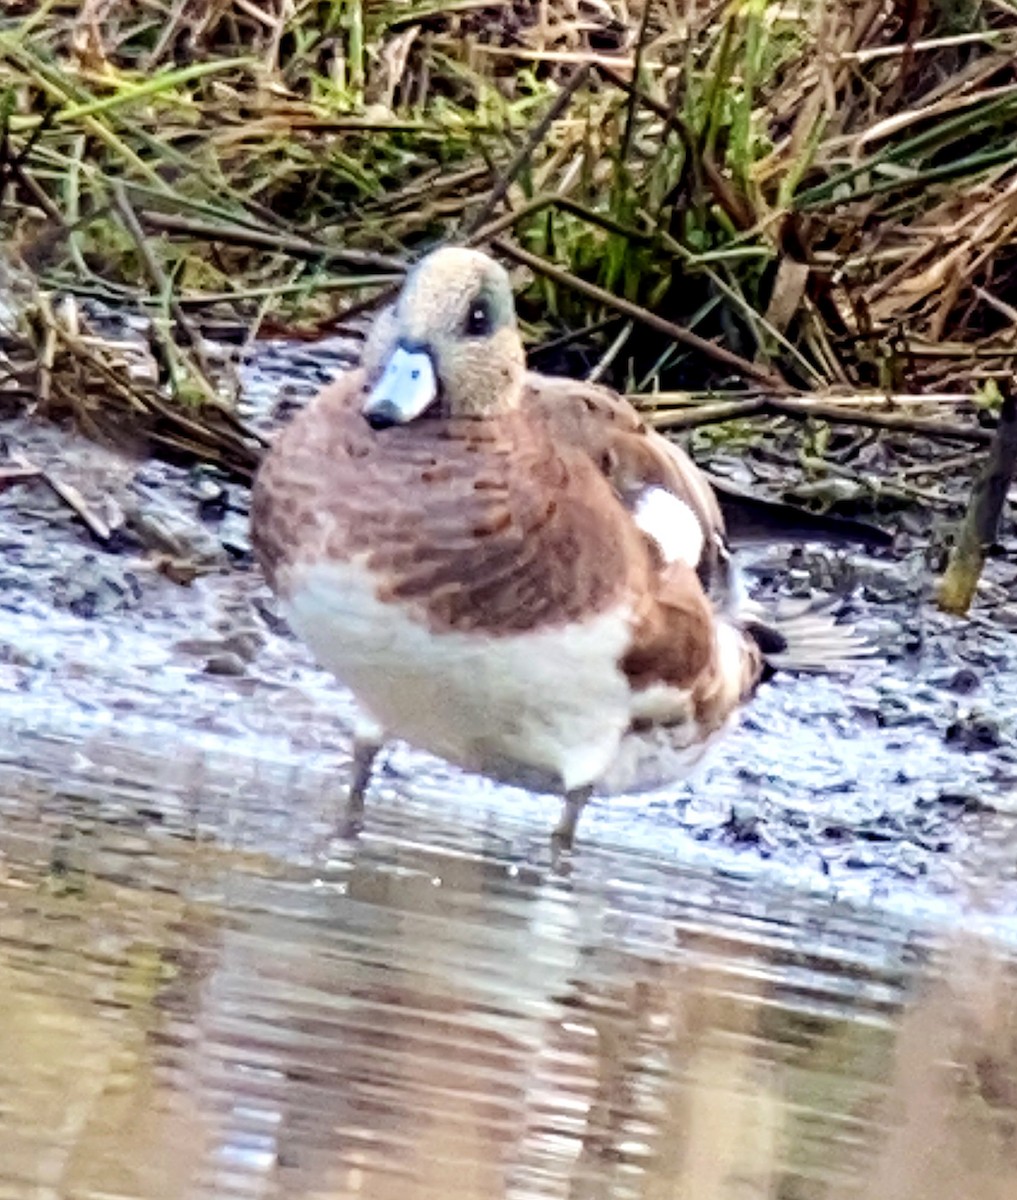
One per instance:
(809,637)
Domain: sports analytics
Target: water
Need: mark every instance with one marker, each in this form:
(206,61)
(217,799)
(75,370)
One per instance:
(204,995)
(196,1007)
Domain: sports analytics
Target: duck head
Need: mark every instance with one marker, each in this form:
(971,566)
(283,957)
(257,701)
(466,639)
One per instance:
(449,347)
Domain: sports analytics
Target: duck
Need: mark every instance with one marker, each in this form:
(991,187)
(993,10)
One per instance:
(508,570)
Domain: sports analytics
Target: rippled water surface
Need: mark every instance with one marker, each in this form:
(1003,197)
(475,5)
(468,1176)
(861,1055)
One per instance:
(794,981)
(430,1012)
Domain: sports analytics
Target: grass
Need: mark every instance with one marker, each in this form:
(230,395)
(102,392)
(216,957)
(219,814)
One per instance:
(821,196)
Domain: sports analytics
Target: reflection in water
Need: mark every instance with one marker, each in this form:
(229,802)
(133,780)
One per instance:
(187,1015)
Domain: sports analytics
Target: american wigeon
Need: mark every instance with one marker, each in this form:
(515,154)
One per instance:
(508,570)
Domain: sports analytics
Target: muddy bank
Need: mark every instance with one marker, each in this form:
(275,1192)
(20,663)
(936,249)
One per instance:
(161,649)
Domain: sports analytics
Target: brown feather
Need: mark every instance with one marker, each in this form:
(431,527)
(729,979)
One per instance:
(673,639)
(479,525)
(630,454)
(498,526)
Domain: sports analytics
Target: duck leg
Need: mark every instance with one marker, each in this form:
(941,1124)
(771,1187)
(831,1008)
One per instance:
(368,739)
(564,834)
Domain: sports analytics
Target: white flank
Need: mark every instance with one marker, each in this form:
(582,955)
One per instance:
(672,525)
(549,710)
(553,701)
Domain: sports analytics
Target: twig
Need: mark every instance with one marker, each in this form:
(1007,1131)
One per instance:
(706,414)
(74,500)
(802,409)
(164,288)
(546,200)
(525,151)
(736,207)
(22,469)
(980,526)
(680,334)
(611,353)
(18,474)
(14,165)
(239,235)
(633,98)
(573,335)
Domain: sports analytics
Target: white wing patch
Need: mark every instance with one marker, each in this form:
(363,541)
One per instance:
(675,528)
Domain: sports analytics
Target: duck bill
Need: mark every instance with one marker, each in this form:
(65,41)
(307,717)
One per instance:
(407,387)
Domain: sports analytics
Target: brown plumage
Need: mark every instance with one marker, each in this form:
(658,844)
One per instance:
(509,570)
(474,525)
(500,526)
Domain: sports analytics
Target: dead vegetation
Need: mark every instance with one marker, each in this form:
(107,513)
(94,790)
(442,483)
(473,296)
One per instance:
(818,198)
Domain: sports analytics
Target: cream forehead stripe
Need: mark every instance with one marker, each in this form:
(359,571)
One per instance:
(445,280)
(672,525)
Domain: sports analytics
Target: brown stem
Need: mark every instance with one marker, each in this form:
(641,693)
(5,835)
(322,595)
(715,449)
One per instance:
(525,152)
(980,526)
(801,409)
(698,415)
(678,332)
(241,235)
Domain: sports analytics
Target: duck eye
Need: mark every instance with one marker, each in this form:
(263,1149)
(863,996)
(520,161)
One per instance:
(478,319)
